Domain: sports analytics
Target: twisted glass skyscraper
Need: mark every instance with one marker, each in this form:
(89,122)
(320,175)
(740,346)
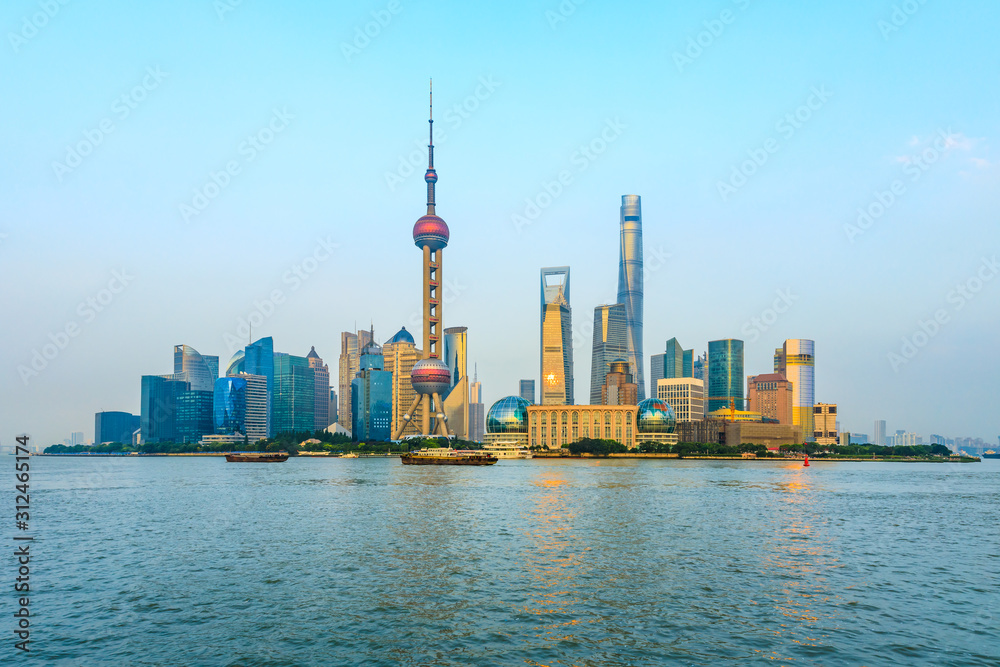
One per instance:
(630,284)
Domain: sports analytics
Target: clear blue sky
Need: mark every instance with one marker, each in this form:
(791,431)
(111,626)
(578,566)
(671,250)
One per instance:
(347,119)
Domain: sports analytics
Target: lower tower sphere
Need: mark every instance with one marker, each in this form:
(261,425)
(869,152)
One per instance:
(430,376)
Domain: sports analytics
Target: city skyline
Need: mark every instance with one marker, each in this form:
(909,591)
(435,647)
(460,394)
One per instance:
(299,223)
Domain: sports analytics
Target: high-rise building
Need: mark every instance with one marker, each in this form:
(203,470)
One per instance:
(698,367)
(170,411)
(229,406)
(725,374)
(770,394)
(796,361)
(825,423)
(688,366)
(200,370)
(630,283)
(685,395)
(879,438)
(657,362)
(527,390)
(351,345)
(294,395)
(618,387)
(610,344)
(673,360)
(258,359)
(400,354)
(477,411)
(371,397)
(556,337)
(114,427)
(334,407)
(456,398)
(321,387)
(430,376)
(240,406)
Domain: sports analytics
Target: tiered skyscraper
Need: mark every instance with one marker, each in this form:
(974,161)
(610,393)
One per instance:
(556,337)
(610,344)
(430,375)
(630,284)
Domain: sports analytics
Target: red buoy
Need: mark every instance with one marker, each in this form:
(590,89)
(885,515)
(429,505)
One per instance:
(806,464)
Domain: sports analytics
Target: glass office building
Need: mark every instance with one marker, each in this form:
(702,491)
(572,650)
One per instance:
(610,344)
(158,408)
(198,369)
(526,390)
(725,374)
(371,397)
(258,359)
(194,415)
(293,397)
(229,406)
(114,427)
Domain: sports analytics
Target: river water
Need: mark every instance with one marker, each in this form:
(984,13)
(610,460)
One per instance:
(195,561)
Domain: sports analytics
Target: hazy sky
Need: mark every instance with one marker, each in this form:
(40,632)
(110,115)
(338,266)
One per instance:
(168,168)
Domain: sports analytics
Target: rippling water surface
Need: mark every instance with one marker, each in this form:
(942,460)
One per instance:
(193,561)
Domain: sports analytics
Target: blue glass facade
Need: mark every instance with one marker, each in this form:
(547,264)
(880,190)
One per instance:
(371,405)
(725,374)
(229,406)
(198,369)
(194,415)
(258,359)
(294,394)
(114,427)
(173,412)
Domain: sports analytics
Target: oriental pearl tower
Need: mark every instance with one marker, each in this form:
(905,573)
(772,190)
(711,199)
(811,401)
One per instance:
(430,375)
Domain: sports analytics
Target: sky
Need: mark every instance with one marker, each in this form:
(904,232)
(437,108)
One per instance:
(171,170)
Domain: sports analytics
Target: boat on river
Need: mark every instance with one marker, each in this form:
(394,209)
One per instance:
(446,456)
(257,457)
(507,450)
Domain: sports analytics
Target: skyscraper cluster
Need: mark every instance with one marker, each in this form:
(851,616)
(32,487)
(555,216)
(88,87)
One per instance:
(262,393)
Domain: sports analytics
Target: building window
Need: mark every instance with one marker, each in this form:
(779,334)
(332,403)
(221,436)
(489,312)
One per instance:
(576,417)
(565,417)
(607,432)
(576,433)
(586,431)
(545,433)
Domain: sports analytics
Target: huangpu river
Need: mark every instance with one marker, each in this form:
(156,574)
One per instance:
(195,561)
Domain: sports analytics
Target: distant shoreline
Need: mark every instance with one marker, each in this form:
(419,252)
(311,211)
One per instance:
(581,457)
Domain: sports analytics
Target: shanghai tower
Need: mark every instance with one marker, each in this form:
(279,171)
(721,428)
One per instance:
(630,284)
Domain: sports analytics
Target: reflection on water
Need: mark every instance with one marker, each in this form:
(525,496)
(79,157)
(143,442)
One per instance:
(345,562)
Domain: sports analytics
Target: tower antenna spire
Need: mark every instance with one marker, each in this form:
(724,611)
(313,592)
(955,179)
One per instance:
(431,175)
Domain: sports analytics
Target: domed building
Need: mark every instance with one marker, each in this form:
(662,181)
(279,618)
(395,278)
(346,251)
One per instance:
(507,422)
(554,426)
